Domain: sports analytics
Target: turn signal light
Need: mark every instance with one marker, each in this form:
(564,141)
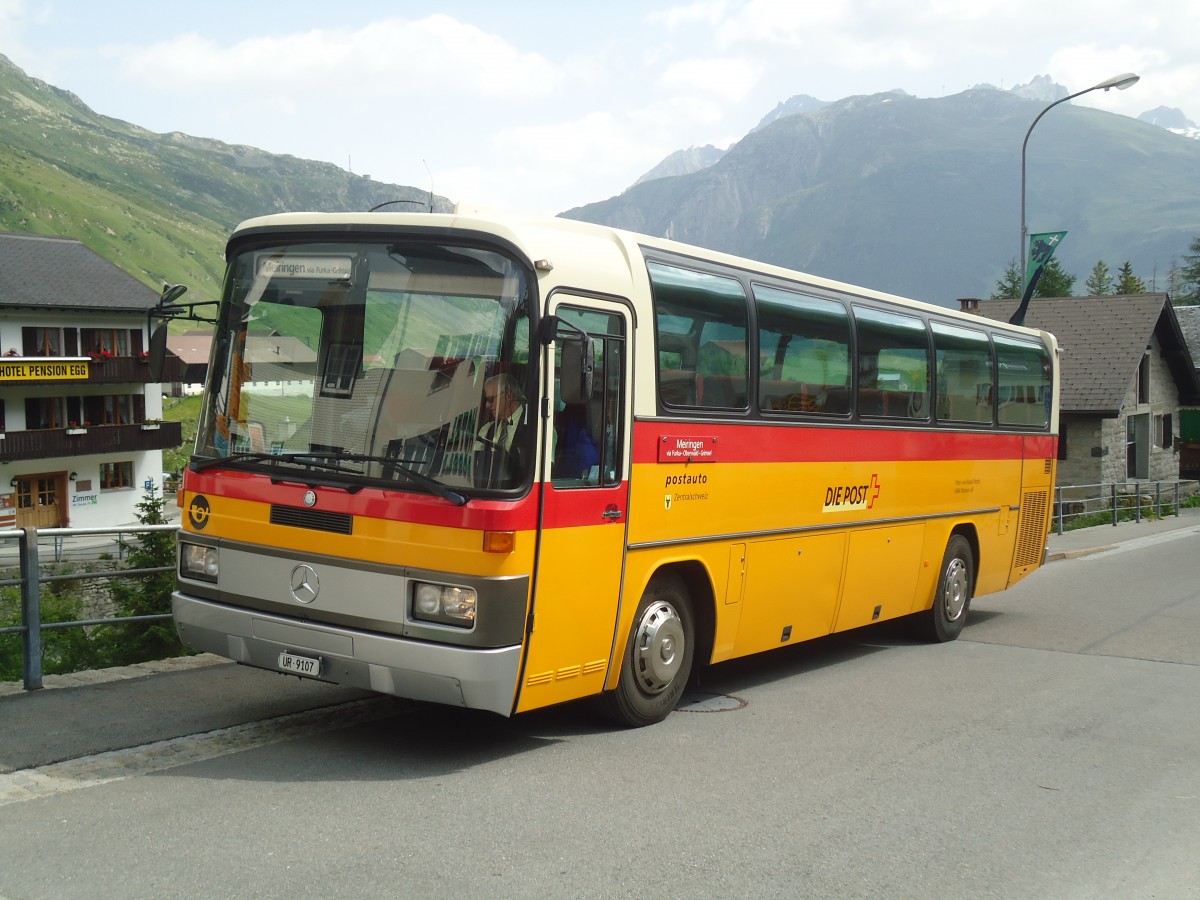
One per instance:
(499,541)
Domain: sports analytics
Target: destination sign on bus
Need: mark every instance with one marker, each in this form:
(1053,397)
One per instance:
(682,449)
(317,268)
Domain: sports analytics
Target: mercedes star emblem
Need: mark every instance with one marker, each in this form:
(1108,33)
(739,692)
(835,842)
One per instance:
(305,583)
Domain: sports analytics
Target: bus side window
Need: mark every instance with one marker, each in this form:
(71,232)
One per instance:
(964,374)
(893,364)
(701,324)
(804,348)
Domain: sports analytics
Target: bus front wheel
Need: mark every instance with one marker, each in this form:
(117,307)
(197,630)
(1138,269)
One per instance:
(945,619)
(657,660)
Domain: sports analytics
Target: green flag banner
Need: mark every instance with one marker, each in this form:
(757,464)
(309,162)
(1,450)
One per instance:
(1041,248)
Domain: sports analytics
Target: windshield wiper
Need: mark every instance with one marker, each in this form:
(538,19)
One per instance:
(319,459)
(329,461)
(391,463)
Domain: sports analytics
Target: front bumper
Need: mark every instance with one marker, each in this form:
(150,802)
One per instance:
(484,678)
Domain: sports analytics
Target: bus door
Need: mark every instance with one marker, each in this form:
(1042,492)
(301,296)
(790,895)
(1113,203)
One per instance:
(584,513)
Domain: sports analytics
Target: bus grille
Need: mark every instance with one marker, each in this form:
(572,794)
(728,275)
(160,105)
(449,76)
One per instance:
(1031,542)
(317,520)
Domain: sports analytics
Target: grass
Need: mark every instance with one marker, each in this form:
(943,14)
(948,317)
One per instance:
(185,410)
(1127,512)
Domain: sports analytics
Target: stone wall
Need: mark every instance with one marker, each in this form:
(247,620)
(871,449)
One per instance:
(1096,447)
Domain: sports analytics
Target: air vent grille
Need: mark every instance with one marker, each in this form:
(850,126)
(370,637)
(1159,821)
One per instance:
(313,519)
(1031,542)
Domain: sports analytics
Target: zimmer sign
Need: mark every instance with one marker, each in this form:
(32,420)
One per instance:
(43,370)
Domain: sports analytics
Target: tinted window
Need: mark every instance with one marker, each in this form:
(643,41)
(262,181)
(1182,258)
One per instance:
(804,353)
(1022,382)
(702,333)
(963,358)
(893,365)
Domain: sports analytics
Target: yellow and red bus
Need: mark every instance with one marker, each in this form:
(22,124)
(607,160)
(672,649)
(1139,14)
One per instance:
(505,462)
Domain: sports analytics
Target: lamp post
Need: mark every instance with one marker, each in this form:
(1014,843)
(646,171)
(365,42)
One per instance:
(1120,82)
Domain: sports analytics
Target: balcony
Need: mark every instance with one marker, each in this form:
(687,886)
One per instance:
(107,370)
(50,442)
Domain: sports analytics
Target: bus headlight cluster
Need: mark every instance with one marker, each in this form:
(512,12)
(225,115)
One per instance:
(445,604)
(197,561)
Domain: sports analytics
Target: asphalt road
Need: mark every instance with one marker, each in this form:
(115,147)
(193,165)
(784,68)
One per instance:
(1051,751)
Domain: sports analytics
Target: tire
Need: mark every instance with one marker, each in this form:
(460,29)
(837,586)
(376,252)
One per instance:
(952,599)
(657,661)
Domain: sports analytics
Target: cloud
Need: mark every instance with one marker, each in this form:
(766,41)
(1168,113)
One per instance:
(727,79)
(396,57)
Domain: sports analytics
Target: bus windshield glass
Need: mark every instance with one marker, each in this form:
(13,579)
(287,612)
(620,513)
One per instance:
(392,362)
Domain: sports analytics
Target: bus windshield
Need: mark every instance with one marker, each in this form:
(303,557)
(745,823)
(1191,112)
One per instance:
(392,362)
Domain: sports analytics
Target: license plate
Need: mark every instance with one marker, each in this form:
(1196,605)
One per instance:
(300,665)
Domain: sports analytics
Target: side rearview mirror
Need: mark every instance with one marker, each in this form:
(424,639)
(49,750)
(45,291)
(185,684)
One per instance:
(576,365)
(158,351)
(576,370)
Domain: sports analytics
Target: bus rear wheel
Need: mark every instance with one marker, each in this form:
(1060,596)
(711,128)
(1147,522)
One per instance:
(945,619)
(657,661)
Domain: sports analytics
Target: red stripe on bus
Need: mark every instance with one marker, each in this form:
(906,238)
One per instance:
(399,506)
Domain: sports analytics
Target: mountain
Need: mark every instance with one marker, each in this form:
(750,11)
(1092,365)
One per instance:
(916,196)
(158,205)
(793,106)
(921,197)
(684,162)
(693,159)
(1167,117)
(1172,119)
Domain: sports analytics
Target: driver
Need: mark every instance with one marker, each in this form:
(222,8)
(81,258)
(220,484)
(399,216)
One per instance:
(500,448)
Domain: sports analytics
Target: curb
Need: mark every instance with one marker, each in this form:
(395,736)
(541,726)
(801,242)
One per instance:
(117,673)
(1057,555)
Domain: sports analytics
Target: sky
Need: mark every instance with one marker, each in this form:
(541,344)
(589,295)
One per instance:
(540,107)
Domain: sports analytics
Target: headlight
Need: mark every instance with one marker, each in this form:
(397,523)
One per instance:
(199,562)
(445,604)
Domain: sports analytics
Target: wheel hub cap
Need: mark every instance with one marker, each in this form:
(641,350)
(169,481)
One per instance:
(956,589)
(658,650)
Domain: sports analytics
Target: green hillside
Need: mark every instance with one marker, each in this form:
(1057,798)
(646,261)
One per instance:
(158,205)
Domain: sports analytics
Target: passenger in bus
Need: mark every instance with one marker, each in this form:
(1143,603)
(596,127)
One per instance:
(576,451)
(501,449)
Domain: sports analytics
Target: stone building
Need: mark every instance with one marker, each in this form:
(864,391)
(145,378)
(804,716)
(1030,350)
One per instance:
(1125,373)
(80,429)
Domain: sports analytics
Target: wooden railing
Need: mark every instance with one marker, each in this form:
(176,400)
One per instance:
(50,442)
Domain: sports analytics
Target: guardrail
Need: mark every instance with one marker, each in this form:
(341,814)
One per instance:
(31,579)
(1085,505)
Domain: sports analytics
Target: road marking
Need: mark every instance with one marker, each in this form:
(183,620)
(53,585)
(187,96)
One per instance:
(115,765)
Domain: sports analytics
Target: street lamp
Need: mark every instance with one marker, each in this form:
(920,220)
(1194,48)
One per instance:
(1120,82)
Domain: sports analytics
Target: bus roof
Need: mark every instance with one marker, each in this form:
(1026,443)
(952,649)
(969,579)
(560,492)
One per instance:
(552,237)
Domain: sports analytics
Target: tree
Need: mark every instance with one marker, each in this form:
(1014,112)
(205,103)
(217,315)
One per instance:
(1009,286)
(1100,282)
(143,595)
(1055,281)
(1127,282)
(1189,277)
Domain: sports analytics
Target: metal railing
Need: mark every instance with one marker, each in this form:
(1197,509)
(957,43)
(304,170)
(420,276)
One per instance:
(1084,505)
(31,580)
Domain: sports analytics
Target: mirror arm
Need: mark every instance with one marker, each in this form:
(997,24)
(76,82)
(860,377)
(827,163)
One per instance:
(548,329)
